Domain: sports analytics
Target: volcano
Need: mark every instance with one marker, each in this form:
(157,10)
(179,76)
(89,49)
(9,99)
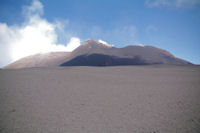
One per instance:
(94,53)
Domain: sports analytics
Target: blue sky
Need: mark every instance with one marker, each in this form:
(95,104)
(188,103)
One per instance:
(168,24)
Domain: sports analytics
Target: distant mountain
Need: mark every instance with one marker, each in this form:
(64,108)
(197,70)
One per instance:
(93,53)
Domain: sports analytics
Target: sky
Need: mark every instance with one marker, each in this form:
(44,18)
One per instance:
(28,27)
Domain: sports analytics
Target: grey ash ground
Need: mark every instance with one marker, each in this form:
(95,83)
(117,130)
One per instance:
(128,99)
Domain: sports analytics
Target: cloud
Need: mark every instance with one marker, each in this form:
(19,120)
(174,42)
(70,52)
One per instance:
(141,45)
(105,43)
(34,35)
(36,8)
(172,3)
(101,41)
(74,43)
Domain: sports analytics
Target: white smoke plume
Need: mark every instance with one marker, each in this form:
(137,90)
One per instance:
(34,35)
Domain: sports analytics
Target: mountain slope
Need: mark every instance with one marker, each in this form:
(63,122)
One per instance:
(40,60)
(91,47)
(93,53)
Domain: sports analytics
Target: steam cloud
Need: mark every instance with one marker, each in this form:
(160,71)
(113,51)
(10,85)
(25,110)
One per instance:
(35,35)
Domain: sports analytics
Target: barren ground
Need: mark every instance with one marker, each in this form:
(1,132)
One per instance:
(128,99)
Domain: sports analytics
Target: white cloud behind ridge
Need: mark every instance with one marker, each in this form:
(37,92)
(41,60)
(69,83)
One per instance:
(35,35)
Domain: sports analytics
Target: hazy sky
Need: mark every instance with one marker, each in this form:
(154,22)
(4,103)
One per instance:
(32,26)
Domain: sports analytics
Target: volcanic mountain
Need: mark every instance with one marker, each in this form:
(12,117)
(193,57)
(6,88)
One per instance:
(93,53)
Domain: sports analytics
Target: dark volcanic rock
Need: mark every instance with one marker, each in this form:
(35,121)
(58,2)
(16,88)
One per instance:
(103,60)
